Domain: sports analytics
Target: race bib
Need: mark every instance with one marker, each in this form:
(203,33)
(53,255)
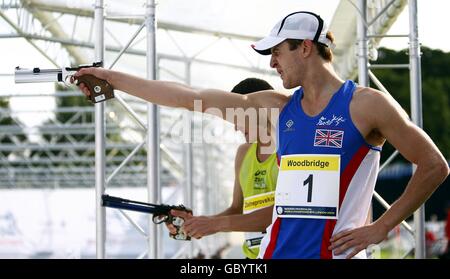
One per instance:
(308,186)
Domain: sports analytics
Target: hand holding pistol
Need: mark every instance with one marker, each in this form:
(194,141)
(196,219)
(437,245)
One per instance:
(101,89)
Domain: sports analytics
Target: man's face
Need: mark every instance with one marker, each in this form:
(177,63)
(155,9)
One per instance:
(287,63)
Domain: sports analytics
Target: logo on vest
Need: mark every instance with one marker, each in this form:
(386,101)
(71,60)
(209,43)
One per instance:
(333,121)
(260,182)
(289,125)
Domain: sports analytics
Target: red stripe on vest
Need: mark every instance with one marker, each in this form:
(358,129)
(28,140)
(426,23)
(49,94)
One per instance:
(273,239)
(346,178)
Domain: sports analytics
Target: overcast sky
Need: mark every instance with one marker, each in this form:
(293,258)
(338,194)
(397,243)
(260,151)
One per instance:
(433,21)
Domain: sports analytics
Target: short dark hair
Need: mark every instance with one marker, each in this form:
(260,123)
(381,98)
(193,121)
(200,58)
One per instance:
(250,85)
(324,51)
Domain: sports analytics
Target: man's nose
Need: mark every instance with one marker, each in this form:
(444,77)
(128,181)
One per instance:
(273,62)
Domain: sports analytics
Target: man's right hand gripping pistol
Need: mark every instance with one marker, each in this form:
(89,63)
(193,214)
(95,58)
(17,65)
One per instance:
(100,90)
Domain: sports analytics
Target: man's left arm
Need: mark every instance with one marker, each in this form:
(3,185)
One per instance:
(387,117)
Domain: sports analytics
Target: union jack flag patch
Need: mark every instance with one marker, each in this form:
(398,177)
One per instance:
(328,138)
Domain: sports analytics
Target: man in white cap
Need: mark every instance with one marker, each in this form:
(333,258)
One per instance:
(329,136)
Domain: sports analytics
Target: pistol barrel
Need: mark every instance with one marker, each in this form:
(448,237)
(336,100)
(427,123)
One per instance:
(37,75)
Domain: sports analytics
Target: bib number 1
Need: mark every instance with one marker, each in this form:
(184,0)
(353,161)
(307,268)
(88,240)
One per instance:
(308,186)
(309,182)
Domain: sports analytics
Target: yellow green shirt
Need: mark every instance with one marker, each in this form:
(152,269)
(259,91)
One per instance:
(258,181)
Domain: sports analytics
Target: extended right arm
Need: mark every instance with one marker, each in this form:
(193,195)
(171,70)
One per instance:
(177,95)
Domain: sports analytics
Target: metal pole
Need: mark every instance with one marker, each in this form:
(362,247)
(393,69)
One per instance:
(188,158)
(153,152)
(361,31)
(416,114)
(363,68)
(208,193)
(99,139)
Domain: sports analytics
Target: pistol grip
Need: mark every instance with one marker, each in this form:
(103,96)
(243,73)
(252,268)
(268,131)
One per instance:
(100,89)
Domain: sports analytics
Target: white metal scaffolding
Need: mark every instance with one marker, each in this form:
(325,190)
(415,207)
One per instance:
(100,163)
(153,161)
(363,34)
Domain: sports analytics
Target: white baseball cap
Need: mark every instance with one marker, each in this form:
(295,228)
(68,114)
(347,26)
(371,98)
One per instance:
(298,25)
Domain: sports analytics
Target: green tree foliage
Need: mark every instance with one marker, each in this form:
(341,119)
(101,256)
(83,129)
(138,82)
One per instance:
(435,91)
(6,120)
(63,117)
(72,101)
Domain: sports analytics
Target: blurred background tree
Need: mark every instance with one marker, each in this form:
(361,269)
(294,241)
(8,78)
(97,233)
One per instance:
(435,92)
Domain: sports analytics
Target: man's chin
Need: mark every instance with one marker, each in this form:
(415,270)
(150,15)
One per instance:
(289,86)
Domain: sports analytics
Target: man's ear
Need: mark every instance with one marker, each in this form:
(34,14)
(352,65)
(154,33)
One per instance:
(307,47)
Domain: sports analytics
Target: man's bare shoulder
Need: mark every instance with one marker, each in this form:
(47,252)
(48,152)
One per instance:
(367,95)
(240,154)
(242,149)
(373,102)
(374,109)
(270,98)
(369,108)
(376,101)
